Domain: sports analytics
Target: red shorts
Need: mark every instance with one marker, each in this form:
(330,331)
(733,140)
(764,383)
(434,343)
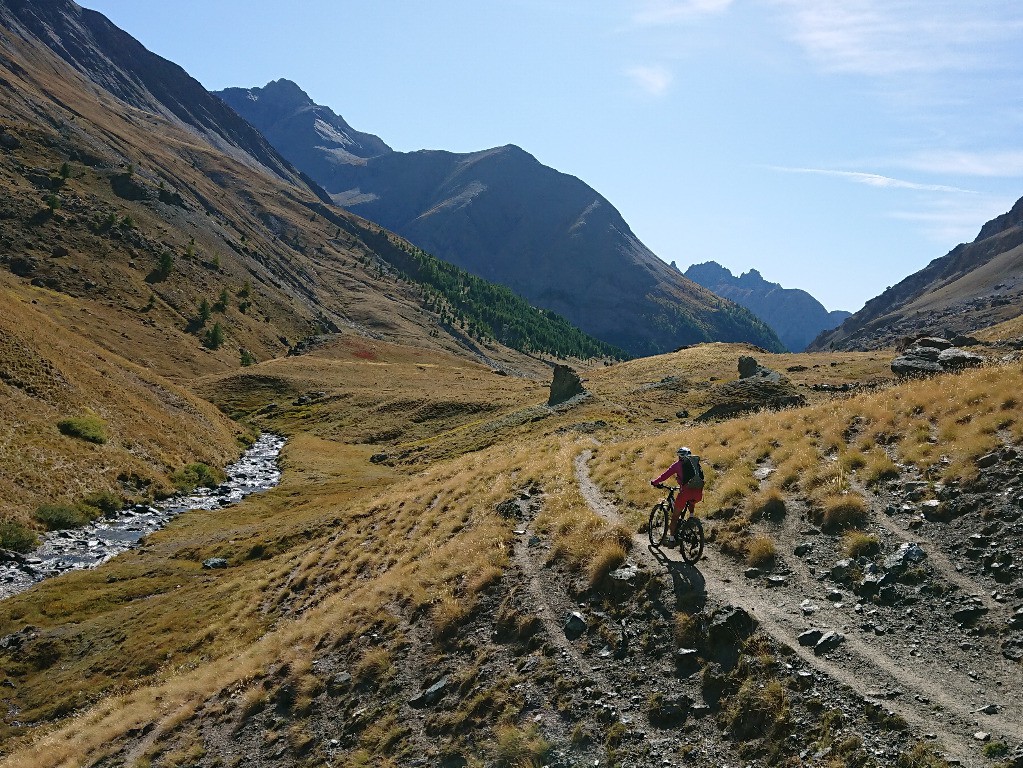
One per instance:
(687,494)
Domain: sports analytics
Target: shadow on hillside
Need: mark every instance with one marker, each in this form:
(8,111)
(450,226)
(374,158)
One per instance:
(687,582)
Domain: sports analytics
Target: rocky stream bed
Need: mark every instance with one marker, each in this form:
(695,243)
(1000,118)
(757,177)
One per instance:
(98,542)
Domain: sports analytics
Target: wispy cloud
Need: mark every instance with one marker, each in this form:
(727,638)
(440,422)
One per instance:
(654,80)
(661,12)
(879,37)
(875,180)
(1003,164)
(948,221)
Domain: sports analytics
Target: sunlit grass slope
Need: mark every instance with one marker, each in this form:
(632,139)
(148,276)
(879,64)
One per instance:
(143,426)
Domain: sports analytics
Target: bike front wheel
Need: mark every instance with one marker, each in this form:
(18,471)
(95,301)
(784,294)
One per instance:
(657,528)
(690,540)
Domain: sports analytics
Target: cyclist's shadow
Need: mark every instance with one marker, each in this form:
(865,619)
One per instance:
(687,582)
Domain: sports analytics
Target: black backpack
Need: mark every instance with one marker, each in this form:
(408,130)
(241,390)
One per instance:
(696,481)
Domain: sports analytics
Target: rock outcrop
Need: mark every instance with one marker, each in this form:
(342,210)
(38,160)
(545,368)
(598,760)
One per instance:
(932,355)
(757,388)
(565,386)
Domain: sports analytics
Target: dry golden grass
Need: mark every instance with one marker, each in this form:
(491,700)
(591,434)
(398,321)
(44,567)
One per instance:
(760,551)
(769,503)
(608,557)
(839,512)
(345,548)
(857,543)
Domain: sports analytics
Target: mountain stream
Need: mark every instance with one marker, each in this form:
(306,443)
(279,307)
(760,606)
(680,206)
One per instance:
(99,541)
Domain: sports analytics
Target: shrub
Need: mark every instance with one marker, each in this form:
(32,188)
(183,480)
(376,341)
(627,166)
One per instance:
(16,537)
(89,428)
(247,358)
(858,543)
(841,512)
(197,475)
(57,517)
(996,749)
(106,502)
(760,551)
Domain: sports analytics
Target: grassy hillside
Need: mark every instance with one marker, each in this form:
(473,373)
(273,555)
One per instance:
(353,579)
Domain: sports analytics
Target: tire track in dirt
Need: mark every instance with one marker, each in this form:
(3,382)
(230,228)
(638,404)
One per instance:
(527,558)
(866,669)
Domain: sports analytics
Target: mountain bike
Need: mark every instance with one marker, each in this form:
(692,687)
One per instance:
(690,529)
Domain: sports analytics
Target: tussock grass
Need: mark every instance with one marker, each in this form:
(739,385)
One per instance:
(839,512)
(609,556)
(769,504)
(519,748)
(857,543)
(760,551)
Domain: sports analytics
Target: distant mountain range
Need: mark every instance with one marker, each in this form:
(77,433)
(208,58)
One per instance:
(795,315)
(973,286)
(504,216)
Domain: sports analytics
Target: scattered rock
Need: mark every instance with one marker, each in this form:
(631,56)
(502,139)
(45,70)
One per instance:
(378,458)
(810,638)
(905,554)
(828,642)
(930,356)
(214,563)
(669,711)
(509,508)
(988,460)
(575,626)
(969,612)
(431,695)
(730,625)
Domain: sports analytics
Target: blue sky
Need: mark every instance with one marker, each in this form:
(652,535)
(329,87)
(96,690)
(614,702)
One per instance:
(835,145)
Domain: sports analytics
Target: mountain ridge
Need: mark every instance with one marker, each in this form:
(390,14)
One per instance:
(973,286)
(503,215)
(795,315)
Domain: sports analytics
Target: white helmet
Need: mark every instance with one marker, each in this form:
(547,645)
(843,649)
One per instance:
(683,451)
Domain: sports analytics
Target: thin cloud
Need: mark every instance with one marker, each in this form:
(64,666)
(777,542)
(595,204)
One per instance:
(882,37)
(664,12)
(654,80)
(1000,164)
(945,221)
(875,180)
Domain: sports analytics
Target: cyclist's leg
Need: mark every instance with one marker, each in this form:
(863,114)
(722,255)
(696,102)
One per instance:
(676,513)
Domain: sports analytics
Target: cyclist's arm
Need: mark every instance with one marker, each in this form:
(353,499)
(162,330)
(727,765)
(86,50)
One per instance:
(672,470)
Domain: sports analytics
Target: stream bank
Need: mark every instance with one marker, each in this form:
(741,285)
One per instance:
(105,538)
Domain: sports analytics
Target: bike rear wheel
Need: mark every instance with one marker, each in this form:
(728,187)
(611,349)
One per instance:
(657,528)
(690,539)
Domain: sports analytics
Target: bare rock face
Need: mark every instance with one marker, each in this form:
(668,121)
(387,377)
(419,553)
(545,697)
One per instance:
(565,386)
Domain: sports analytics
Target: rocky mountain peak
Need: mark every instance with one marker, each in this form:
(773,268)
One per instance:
(795,315)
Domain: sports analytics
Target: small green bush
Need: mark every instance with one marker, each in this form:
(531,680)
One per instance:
(197,475)
(105,502)
(996,749)
(89,428)
(16,537)
(57,517)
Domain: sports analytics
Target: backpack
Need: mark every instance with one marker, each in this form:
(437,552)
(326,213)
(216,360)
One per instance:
(696,481)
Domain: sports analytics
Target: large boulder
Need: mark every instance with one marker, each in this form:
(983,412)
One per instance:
(565,386)
(933,355)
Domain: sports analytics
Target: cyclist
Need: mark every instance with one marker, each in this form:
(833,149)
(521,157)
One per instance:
(685,470)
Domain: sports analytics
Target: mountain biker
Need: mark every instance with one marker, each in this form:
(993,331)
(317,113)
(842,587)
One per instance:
(685,469)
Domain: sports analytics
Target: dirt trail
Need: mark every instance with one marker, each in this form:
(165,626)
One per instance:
(934,689)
